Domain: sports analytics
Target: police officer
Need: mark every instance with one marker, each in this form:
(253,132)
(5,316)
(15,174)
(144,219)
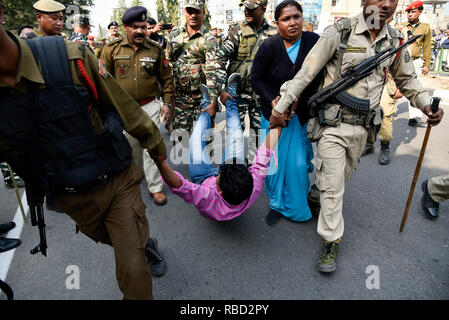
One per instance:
(113,31)
(435,191)
(239,48)
(420,51)
(81,29)
(138,64)
(191,51)
(342,139)
(50,18)
(92,175)
(214,31)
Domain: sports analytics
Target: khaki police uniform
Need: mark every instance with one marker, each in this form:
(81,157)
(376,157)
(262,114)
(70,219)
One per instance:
(139,72)
(388,104)
(112,211)
(340,143)
(420,52)
(439,188)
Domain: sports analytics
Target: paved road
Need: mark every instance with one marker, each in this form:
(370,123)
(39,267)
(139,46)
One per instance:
(246,259)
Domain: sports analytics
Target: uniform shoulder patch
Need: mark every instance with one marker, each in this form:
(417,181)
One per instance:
(102,69)
(73,50)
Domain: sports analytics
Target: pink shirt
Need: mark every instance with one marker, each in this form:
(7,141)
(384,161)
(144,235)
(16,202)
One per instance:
(211,204)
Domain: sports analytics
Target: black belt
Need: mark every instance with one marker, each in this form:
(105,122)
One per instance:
(87,186)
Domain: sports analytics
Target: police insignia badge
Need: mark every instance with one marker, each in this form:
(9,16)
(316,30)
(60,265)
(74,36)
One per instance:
(102,69)
(407,57)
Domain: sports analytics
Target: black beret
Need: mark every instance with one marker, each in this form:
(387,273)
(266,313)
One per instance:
(135,14)
(113,23)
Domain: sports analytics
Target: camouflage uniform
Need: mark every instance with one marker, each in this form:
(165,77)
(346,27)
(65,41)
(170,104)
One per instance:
(193,62)
(80,37)
(239,48)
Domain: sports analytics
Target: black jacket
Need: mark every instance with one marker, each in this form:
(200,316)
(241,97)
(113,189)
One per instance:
(272,67)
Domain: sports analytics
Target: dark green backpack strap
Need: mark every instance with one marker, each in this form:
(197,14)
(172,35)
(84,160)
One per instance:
(343,25)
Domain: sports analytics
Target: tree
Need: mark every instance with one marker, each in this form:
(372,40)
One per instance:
(173,9)
(207,17)
(21,12)
(161,12)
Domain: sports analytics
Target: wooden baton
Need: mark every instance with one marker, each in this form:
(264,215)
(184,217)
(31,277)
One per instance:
(434,103)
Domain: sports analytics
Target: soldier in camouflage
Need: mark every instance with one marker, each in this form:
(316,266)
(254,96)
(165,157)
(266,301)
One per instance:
(191,51)
(239,48)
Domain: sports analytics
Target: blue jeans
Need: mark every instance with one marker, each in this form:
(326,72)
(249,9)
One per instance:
(200,166)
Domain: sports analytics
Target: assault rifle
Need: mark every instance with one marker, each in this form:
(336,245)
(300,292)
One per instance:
(35,203)
(336,90)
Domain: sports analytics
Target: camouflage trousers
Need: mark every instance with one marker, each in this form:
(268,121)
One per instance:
(251,106)
(186,111)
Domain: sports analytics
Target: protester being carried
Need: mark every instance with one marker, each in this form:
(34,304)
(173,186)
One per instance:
(225,192)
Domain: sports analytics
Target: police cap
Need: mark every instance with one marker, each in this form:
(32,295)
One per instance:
(113,23)
(135,14)
(48,6)
(414,5)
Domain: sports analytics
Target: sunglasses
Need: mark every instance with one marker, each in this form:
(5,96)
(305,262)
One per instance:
(191,11)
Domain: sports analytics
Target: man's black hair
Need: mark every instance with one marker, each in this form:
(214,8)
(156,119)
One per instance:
(23,27)
(236,182)
(151,22)
(282,5)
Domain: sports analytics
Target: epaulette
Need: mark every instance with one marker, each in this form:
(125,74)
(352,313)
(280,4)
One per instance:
(114,41)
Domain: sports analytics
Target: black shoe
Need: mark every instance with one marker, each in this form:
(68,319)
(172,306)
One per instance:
(431,207)
(6,227)
(369,148)
(416,122)
(7,244)
(412,122)
(154,258)
(19,182)
(233,83)
(272,217)
(384,157)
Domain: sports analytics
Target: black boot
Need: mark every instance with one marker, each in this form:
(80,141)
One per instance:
(5,227)
(384,157)
(7,244)
(369,148)
(154,258)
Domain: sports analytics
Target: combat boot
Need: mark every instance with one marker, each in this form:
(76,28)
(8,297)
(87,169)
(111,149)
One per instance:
(369,148)
(384,157)
(328,257)
(154,258)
